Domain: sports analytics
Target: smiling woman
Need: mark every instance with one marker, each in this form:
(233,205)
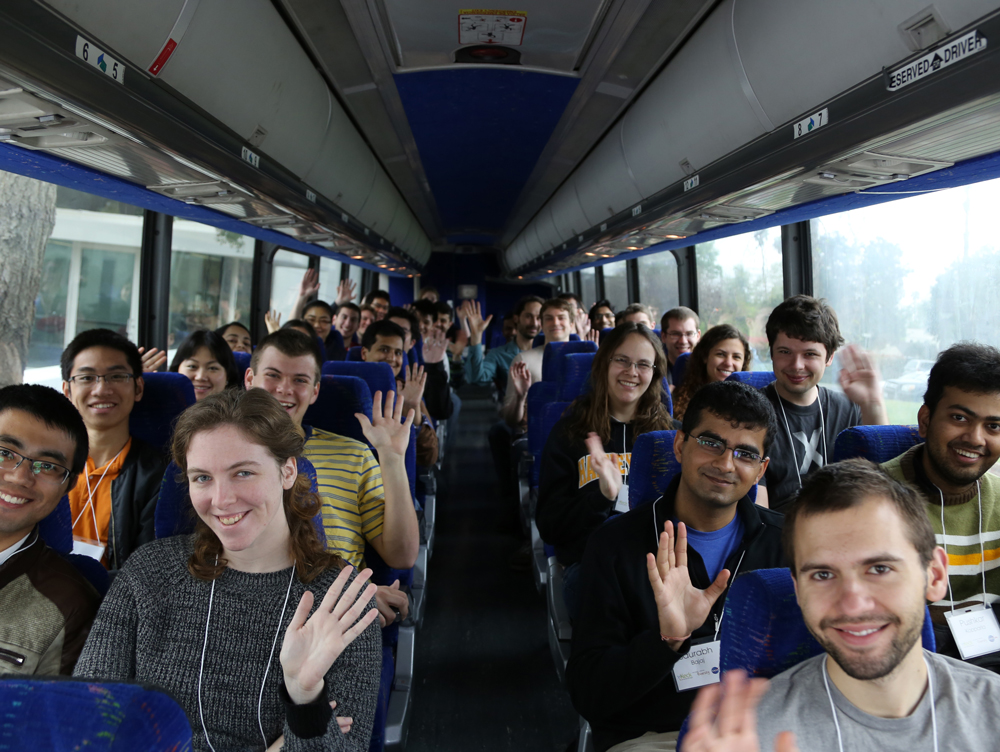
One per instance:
(254,570)
(721,352)
(206,359)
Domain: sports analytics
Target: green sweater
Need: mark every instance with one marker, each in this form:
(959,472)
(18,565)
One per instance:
(961,520)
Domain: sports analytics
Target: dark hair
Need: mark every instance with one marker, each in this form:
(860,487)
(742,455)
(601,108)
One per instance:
(525,302)
(806,318)
(424,307)
(221,331)
(591,411)
(317,304)
(216,345)
(301,324)
(289,342)
(55,411)
(638,308)
(377,294)
(383,328)
(571,296)
(352,306)
(696,375)
(680,313)
(967,366)
(739,403)
(562,305)
(509,316)
(367,307)
(100,338)
(603,303)
(442,307)
(847,484)
(262,421)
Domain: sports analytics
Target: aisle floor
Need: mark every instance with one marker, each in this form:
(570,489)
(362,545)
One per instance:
(484,678)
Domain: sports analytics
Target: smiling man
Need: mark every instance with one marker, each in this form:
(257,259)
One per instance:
(114,503)
(364,501)
(864,563)
(680,331)
(46,606)
(803,334)
(648,601)
(960,424)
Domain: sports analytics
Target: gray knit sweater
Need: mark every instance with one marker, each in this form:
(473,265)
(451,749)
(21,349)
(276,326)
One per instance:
(151,628)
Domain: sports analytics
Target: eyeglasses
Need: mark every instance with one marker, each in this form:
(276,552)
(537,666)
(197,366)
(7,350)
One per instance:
(112,379)
(50,471)
(718,448)
(626,363)
(673,334)
(317,320)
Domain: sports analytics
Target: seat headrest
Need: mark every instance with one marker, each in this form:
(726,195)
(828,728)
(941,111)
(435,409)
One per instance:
(242,362)
(354,353)
(756,379)
(653,467)
(56,528)
(164,397)
(876,443)
(680,367)
(340,397)
(378,376)
(553,358)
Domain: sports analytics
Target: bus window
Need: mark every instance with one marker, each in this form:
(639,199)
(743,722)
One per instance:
(739,283)
(658,283)
(910,278)
(588,286)
(90,273)
(285,279)
(329,279)
(210,275)
(354,273)
(615,284)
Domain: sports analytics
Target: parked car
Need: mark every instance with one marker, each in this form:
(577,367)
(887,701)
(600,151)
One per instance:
(910,386)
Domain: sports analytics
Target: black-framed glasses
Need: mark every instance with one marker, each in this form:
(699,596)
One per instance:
(50,471)
(626,363)
(111,379)
(718,448)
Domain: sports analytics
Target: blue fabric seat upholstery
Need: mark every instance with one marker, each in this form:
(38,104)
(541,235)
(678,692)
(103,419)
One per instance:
(242,363)
(756,379)
(57,714)
(539,339)
(378,376)
(56,529)
(553,358)
(680,368)
(576,374)
(354,353)
(653,467)
(876,443)
(165,396)
(539,395)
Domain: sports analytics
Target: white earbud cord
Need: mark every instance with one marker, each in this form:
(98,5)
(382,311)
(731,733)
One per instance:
(204,647)
(791,439)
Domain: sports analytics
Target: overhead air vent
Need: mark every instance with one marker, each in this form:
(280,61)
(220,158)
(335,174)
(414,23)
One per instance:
(33,123)
(868,169)
(215,192)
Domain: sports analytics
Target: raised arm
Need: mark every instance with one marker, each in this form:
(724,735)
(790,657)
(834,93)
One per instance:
(515,399)
(861,382)
(308,289)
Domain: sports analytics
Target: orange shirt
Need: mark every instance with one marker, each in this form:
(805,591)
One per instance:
(79,498)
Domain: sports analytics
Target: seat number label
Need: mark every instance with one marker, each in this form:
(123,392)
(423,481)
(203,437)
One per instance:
(95,56)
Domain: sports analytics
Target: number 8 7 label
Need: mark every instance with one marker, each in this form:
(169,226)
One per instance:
(98,58)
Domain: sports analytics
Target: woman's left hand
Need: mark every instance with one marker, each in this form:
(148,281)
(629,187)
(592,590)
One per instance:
(313,643)
(605,465)
(387,433)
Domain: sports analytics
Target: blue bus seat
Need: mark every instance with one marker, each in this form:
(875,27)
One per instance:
(756,379)
(539,394)
(666,399)
(98,716)
(340,397)
(553,363)
(56,529)
(378,376)
(680,368)
(354,353)
(876,443)
(242,363)
(653,467)
(576,374)
(164,397)
(539,339)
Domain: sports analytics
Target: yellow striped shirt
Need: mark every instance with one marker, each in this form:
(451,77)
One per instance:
(349,482)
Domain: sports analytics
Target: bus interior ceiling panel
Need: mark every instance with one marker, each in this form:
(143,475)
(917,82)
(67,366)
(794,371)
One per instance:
(750,70)
(277,105)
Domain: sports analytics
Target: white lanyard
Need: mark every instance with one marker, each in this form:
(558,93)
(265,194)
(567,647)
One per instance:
(982,548)
(90,496)
(625,452)
(267,668)
(791,439)
(833,708)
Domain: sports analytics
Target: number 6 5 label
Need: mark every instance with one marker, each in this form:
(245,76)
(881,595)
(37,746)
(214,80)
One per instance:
(101,60)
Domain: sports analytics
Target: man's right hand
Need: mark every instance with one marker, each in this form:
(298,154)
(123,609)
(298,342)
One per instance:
(724,718)
(680,606)
(477,325)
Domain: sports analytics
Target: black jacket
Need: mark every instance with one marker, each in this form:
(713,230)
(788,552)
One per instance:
(619,674)
(437,393)
(570,503)
(133,501)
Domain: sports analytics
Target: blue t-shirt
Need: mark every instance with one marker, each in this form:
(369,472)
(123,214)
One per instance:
(716,546)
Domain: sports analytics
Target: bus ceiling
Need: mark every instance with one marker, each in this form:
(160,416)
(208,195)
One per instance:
(566,132)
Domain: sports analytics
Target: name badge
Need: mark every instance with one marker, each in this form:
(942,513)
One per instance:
(621,503)
(88,547)
(700,666)
(975,630)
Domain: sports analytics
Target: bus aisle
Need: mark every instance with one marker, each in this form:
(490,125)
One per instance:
(483,677)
